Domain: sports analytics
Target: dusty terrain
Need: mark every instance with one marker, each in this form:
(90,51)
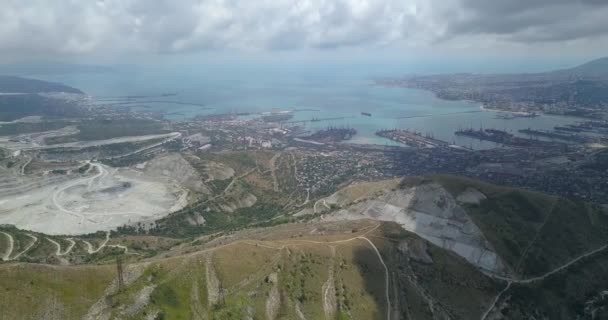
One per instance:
(102,198)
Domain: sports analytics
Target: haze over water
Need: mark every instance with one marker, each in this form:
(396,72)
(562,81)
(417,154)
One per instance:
(337,92)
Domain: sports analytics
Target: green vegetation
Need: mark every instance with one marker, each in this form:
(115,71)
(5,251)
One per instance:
(13,107)
(565,295)
(14,84)
(31,127)
(35,291)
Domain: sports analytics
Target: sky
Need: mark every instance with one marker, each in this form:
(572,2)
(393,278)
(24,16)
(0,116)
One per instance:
(553,32)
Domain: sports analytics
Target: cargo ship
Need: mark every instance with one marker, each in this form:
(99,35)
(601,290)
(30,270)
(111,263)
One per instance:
(366,114)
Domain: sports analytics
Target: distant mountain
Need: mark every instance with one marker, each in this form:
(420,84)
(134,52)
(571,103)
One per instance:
(48,68)
(592,70)
(13,84)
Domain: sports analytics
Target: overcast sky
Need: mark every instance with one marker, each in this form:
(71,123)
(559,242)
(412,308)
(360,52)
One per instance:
(112,30)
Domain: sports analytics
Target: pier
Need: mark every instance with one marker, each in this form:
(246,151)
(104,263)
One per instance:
(439,114)
(314,120)
(412,138)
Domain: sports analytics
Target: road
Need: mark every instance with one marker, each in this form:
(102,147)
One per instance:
(90,249)
(29,246)
(386,273)
(295,241)
(229,186)
(11,245)
(314,207)
(549,273)
(386,278)
(535,279)
(89,181)
(58,252)
(485,314)
(29,159)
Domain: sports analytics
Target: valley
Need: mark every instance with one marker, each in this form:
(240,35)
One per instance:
(119,215)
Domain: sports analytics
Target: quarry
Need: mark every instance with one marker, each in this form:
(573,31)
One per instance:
(99,199)
(427,210)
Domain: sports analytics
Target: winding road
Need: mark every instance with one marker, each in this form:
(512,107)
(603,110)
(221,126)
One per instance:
(90,249)
(68,250)
(9,249)
(29,246)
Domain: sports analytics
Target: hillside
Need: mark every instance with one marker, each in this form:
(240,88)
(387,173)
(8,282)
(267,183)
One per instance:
(17,106)
(13,84)
(428,240)
(547,247)
(595,69)
(303,271)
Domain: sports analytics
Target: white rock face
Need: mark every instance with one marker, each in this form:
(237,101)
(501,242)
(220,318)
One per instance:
(432,213)
(471,196)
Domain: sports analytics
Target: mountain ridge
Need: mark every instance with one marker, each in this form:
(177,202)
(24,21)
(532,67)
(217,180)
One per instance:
(16,84)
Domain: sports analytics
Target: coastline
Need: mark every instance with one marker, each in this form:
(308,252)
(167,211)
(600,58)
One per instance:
(523,113)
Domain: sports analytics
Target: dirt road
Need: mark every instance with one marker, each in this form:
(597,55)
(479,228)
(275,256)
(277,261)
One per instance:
(9,249)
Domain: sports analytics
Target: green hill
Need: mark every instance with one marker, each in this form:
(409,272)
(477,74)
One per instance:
(13,84)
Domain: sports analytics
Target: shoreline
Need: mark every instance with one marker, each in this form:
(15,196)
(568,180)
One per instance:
(523,113)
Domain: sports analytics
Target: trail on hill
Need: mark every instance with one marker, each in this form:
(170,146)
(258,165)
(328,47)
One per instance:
(551,272)
(535,279)
(485,314)
(25,165)
(536,236)
(386,276)
(329,290)
(386,273)
(229,186)
(57,245)
(71,246)
(9,249)
(67,250)
(90,249)
(29,246)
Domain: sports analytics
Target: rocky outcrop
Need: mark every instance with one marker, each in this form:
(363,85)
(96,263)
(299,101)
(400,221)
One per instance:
(431,212)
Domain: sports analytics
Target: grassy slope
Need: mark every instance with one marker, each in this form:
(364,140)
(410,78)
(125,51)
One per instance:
(30,291)
(244,271)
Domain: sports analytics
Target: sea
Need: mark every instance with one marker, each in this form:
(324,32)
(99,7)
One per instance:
(340,93)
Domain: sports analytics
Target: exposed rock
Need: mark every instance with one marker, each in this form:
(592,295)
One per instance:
(175,167)
(274,298)
(245,200)
(142,299)
(471,196)
(213,283)
(431,212)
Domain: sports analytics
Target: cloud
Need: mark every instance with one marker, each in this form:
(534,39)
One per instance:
(531,20)
(167,26)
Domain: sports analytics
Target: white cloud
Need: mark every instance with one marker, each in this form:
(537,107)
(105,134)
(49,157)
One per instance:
(168,26)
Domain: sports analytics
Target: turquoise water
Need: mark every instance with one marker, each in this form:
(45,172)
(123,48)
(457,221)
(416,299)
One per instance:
(335,93)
